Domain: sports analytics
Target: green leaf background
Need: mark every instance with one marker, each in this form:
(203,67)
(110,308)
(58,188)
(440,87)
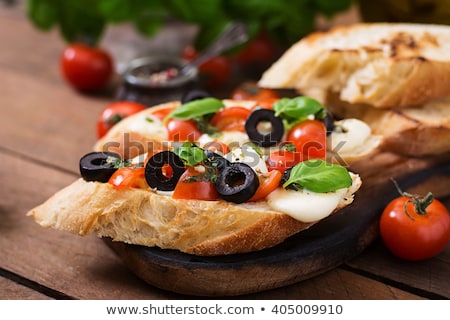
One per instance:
(285,20)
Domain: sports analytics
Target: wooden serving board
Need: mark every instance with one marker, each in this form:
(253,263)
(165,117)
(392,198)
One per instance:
(324,246)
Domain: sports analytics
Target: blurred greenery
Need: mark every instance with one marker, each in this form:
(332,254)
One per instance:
(85,20)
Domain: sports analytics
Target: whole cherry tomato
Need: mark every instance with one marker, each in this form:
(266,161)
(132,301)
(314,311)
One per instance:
(309,138)
(115,112)
(86,68)
(415,228)
(260,50)
(214,72)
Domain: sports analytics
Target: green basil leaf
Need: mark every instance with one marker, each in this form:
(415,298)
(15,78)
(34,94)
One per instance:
(196,109)
(299,108)
(319,176)
(190,154)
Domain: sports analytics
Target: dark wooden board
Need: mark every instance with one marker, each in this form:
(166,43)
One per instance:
(324,246)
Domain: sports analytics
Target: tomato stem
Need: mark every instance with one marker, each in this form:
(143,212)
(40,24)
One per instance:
(420,203)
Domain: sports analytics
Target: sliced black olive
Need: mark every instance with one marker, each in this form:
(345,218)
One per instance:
(95,167)
(329,122)
(237,182)
(285,177)
(276,128)
(194,94)
(153,170)
(216,160)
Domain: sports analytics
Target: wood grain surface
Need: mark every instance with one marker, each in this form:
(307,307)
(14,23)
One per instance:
(44,128)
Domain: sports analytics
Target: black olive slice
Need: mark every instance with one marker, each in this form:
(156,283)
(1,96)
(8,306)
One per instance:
(237,182)
(276,127)
(216,160)
(154,174)
(95,167)
(194,94)
(329,123)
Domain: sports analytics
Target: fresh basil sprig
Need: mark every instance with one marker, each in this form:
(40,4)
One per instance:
(318,176)
(294,110)
(190,154)
(196,109)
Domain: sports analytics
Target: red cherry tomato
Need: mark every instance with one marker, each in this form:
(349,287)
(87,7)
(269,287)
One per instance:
(86,68)
(282,159)
(115,112)
(182,130)
(216,146)
(412,235)
(260,50)
(309,138)
(251,91)
(267,183)
(192,186)
(128,177)
(214,72)
(231,119)
(161,113)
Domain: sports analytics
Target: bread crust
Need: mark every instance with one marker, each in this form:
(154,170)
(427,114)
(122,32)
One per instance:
(381,64)
(143,217)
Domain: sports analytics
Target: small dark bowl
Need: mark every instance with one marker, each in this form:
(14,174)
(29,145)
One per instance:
(158,79)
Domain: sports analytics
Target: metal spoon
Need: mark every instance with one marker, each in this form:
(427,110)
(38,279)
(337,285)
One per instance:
(234,35)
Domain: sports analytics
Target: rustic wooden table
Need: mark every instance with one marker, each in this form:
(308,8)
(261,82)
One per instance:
(45,126)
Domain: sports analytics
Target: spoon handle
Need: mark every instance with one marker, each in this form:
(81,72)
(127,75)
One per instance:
(235,34)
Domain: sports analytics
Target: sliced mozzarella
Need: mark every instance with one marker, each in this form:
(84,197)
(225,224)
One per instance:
(148,125)
(248,155)
(304,205)
(348,135)
(232,139)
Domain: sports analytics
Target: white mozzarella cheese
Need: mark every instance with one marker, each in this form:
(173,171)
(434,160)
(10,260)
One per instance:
(349,135)
(248,155)
(148,125)
(304,205)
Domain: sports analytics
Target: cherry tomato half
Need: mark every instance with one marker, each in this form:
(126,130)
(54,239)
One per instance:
(191,186)
(115,112)
(267,183)
(86,68)
(182,130)
(230,119)
(309,138)
(251,91)
(282,159)
(411,235)
(128,177)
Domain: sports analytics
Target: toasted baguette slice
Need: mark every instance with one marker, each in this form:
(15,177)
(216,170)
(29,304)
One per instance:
(380,64)
(415,132)
(143,217)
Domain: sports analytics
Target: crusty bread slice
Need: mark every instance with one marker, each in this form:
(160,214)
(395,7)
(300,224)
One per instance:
(380,64)
(143,217)
(415,131)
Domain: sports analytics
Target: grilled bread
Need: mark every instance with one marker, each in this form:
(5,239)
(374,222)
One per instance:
(380,64)
(394,77)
